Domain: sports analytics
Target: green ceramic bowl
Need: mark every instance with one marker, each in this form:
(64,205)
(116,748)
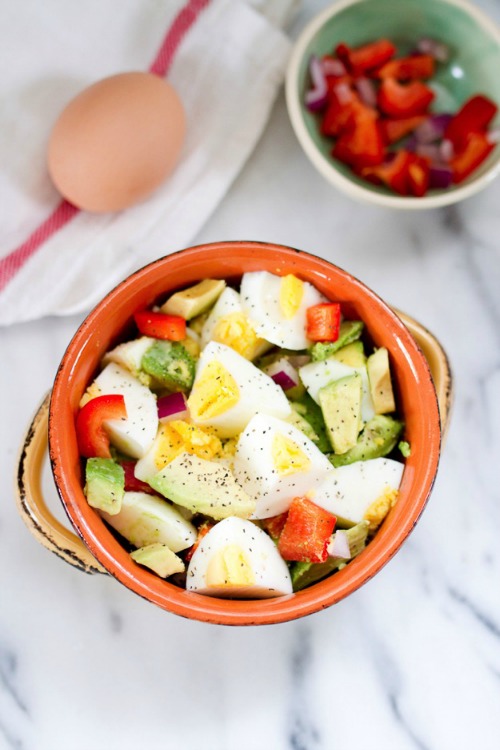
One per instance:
(473,67)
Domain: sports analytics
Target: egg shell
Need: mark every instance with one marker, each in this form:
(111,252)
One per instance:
(348,491)
(257,392)
(260,295)
(271,574)
(255,471)
(116,141)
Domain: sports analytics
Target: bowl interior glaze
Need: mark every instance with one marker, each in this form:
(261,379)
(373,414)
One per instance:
(105,324)
(474,43)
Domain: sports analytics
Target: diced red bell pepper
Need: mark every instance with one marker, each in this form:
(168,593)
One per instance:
(323,321)
(474,117)
(132,484)
(418,175)
(93,440)
(362,144)
(408,68)
(306,533)
(476,150)
(274,525)
(359,60)
(342,108)
(160,326)
(394,130)
(393,174)
(404,100)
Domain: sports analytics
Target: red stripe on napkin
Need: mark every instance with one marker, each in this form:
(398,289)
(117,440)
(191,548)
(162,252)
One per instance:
(65,211)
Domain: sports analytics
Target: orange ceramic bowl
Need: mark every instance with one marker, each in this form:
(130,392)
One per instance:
(111,319)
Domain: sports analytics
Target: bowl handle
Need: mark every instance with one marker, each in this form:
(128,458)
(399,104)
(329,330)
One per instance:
(32,506)
(439,366)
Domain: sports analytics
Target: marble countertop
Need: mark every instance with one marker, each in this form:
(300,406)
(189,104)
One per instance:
(409,662)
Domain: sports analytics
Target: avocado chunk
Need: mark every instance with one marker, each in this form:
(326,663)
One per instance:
(379,375)
(350,330)
(379,437)
(307,408)
(304,573)
(147,519)
(193,301)
(159,558)
(104,484)
(352,355)
(170,364)
(203,487)
(340,403)
(302,424)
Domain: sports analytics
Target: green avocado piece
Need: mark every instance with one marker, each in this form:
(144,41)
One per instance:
(340,403)
(352,355)
(196,300)
(379,438)
(203,487)
(104,484)
(170,364)
(379,375)
(307,408)
(304,573)
(350,330)
(159,558)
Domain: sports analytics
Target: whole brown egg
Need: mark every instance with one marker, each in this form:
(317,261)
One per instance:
(116,141)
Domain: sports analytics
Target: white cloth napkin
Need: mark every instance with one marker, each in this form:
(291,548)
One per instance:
(227,69)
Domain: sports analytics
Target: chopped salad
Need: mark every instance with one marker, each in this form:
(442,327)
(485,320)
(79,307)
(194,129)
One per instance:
(245,443)
(375,105)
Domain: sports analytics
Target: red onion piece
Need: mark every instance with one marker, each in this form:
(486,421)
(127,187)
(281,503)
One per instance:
(171,407)
(447,150)
(367,91)
(440,177)
(283,373)
(433,128)
(317,96)
(339,545)
(437,50)
(332,67)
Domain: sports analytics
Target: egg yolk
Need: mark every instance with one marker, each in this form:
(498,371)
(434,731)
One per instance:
(380,507)
(236,331)
(178,437)
(229,567)
(288,458)
(214,392)
(291,293)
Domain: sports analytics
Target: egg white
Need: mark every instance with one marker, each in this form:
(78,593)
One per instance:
(270,572)
(317,375)
(260,294)
(254,466)
(257,392)
(349,491)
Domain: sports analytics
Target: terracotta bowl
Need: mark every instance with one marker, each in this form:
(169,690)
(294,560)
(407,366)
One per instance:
(110,320)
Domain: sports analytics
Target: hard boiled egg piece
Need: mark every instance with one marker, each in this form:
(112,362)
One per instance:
(317,375)
(135,434)
(365,490)
(229,325)
(228,391)
(276,462)
(236,559)
(276,306)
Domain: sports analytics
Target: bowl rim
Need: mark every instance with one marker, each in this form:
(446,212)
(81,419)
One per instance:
(327,168)
(210,609)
